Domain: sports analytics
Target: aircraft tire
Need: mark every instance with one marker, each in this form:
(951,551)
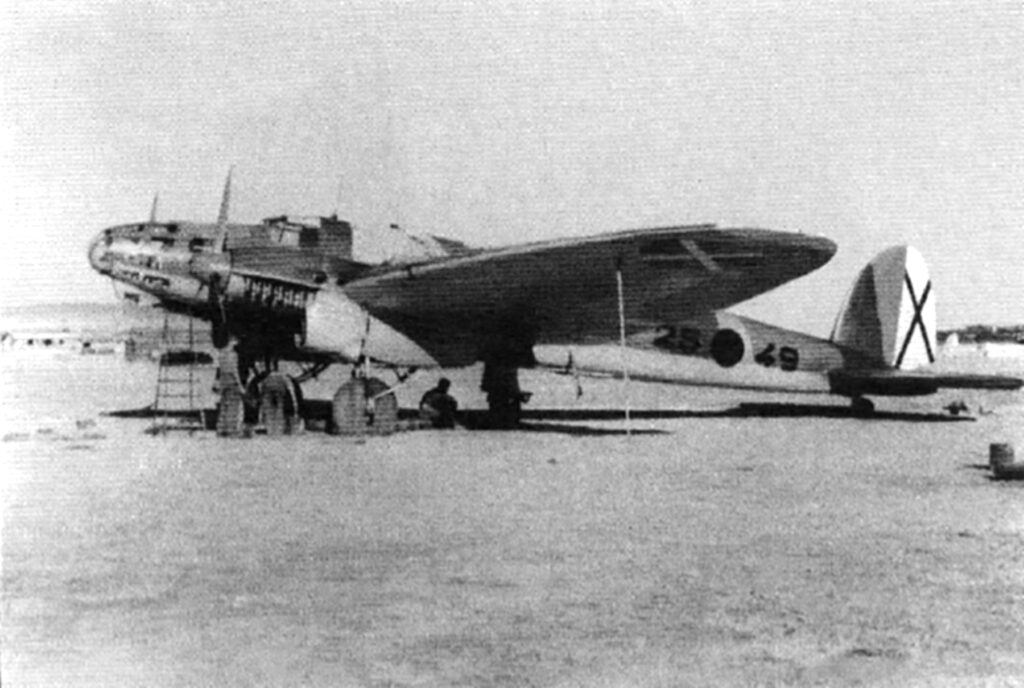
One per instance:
(230,408)
(279,408)
(364,406)
(504,412)
(385,407)
(862,406)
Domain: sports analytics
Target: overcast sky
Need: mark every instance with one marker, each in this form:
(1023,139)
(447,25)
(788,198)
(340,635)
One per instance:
(493,123)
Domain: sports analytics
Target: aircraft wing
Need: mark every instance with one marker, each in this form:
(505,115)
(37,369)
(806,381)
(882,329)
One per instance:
(913,383)
(566,290)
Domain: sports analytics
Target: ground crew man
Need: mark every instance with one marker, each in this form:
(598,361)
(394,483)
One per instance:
(437,407)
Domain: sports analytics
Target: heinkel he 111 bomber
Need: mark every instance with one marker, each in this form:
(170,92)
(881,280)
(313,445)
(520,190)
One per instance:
(649,303)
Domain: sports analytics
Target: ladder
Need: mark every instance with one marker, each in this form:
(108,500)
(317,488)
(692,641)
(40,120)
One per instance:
(177,377)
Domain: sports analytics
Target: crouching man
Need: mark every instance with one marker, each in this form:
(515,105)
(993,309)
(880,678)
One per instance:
(437,407)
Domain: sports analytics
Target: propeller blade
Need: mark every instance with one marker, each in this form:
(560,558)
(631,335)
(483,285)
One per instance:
(225,199)
(222,216)
(152,210)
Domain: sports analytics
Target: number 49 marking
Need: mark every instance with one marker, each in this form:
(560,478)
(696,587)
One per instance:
(788,357)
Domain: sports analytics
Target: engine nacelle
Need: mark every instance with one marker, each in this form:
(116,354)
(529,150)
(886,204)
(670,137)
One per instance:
(337,325)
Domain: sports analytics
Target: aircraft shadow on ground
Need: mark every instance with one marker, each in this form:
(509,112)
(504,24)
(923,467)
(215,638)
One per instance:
(745,410)
(533,422)
(540,420)
(470,419)
(556,420)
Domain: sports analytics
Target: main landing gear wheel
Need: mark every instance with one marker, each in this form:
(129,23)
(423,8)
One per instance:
(862,406)
(280,405)
(504,397)
(231,404)
(364,406)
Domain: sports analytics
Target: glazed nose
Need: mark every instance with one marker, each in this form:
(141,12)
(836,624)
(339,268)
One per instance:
(98,258)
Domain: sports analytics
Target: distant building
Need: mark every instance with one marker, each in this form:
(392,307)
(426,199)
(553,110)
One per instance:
(42,340)
(59,341)
(1002,350)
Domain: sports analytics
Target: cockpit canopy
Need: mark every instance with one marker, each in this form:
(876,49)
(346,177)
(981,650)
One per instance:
(314,238)
(326,234)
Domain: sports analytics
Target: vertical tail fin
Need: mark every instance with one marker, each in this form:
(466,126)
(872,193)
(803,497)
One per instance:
(889,316)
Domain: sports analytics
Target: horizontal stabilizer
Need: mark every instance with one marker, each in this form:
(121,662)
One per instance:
(897,383)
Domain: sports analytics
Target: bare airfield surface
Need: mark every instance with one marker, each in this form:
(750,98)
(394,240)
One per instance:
(711,550)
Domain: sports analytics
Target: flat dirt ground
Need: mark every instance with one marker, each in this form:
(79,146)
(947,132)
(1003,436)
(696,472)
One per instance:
(708,550)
